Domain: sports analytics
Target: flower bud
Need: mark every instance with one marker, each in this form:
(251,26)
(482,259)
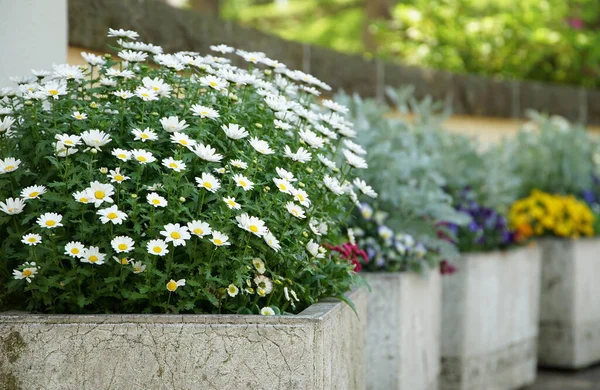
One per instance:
(182,199)
(305,234)
(301,185)
(258,125)
(309,170)
(107,56)
(134,196)
(277,281)
(29,103)
(93,151)
(336,169)
(104,170)
(266,188)
(94,105)
(268,71)
(154,113)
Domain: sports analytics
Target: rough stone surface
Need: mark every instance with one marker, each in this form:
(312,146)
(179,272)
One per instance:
(321,348)
(490,317)
(403,332)
(570,303)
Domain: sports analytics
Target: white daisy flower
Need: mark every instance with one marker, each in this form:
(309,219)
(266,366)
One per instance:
(33,192)
(208,182)
(283,185)
(12,206)
(6,124)
(133,56)
(157,247)
(289,176)
(176,165)
(272,241)
(157,85)
(261,146)
(122,261)
(60,150)
(295,210)
(326,131)
(334,106)
(354,147)
(354,160)
(264,283)
(112,214)
(259,265)
(173,285)
(9,164)
(144,135)
(122,244)
(182,139)
(238,164)
(213,82)
(95,138)
(207,153)
(364,188)
(314,229)
(79,116)
(315,249)
(110,83)
(156,200)
(175,233)
(28,273)
(92,255)
(231,203)
(67,72)
(123,94)
(120,33)
(311,138)
(93,59)
(143,156)
(301,197)
(311,90)
(234,131)
(220,239)
(333,184)
(302,155)
(327,162)
(282,125)
(204,112)
(199,228)
(220,171)
(53,89)
(243,181)
(173,124)
(222,49)
(31,239)
(68,140)
(346,131)
(253,225)
(232,290)
(138,267)
(121,154)
(50,220)
(74,249)
(116,176)
(267,311)
(146,94)
(99,193)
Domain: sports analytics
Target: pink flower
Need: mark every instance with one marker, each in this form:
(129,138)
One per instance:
(351,253)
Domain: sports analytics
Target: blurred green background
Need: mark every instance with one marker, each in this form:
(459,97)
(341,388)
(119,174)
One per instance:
(545,40)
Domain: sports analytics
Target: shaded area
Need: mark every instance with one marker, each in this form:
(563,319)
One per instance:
(567,380)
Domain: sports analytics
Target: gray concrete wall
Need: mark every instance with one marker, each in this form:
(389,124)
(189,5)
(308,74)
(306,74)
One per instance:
(403,332)
(177,29)
(490,317)
(570,303)
(321,348)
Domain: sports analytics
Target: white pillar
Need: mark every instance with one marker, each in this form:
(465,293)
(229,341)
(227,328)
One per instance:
(33,35)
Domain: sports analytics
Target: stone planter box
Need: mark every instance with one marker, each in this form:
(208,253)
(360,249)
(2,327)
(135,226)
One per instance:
(490,314)
(570,303)
(403,331)
(321,348)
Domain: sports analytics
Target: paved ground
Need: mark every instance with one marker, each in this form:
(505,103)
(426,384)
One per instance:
(566,380)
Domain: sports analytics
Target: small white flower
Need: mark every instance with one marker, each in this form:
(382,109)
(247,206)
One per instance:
(264,283)
(93,59)
(182,139)
(261,146)
(28,273)
(67,72)
(175,233)
(112,214)
(109,83)
(92,255)
(120,33)
(133,56)
(365,188)
(238,164)
(157,247)
(289,176)
(138,267)
(144,135)
(302,155)
(116,176)
(204,112)
(126,73)
(33,192)
(219,239)
(207,153)
(67,140)
(156,200)
(157,85)
(199,228)
(311,138)
(267,311)
(146,94)
(333,184)
(220,171)
(234,131)
(50,220)
(6,124)
(354,147)
(121,154)
(231,203)
(12,206)
(327,162)
(53,89)
(208,182)
(314,249)
(173,124)
(9,164)
(122,261)
(74,249)
(272,241)
(259,265)
(354,160)
(143,156)
(122,244)
(213,82)
(253,225)
(123,94)
(82,197)
(79,116)
(301,196)
(295,210)
(95,138)
(283,185)
(99,193)
(243,181)
(176,165)
(232,290)
(31,239)
(222,49)
(282,125)
(334,106)
(173,285)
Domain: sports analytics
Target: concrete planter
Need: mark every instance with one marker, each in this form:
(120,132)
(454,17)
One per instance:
(403,331)
(490,317)
(570,303)
(321,348)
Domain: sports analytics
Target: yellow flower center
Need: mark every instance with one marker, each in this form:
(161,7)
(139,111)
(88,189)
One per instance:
(253,228)
(207,185)
(83,200)
(300,197)
(99,194)
(112,215)
(155,201)
(34,194)
(231,203)
(243,183)
(93,258)
(213,83)
(233,289)
(145,136)
(198,231)
(123,260)
(27,272)
(175,235)
(282,187)
(122,247)
(295,212)
(172,286)
(204,113)
(145,94)
(32,239)
(141,159)
(155,89)
(173,165)
(119,177)
(123,156)
(157,249)
(9,168)
(124,95)
(50,223)
(75,251)
(137,269)
(68,142)
(183,142)
(53,92)
(217,241)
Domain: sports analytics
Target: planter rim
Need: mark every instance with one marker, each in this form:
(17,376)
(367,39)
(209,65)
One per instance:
(518,248)
(312,314)
(383,274)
